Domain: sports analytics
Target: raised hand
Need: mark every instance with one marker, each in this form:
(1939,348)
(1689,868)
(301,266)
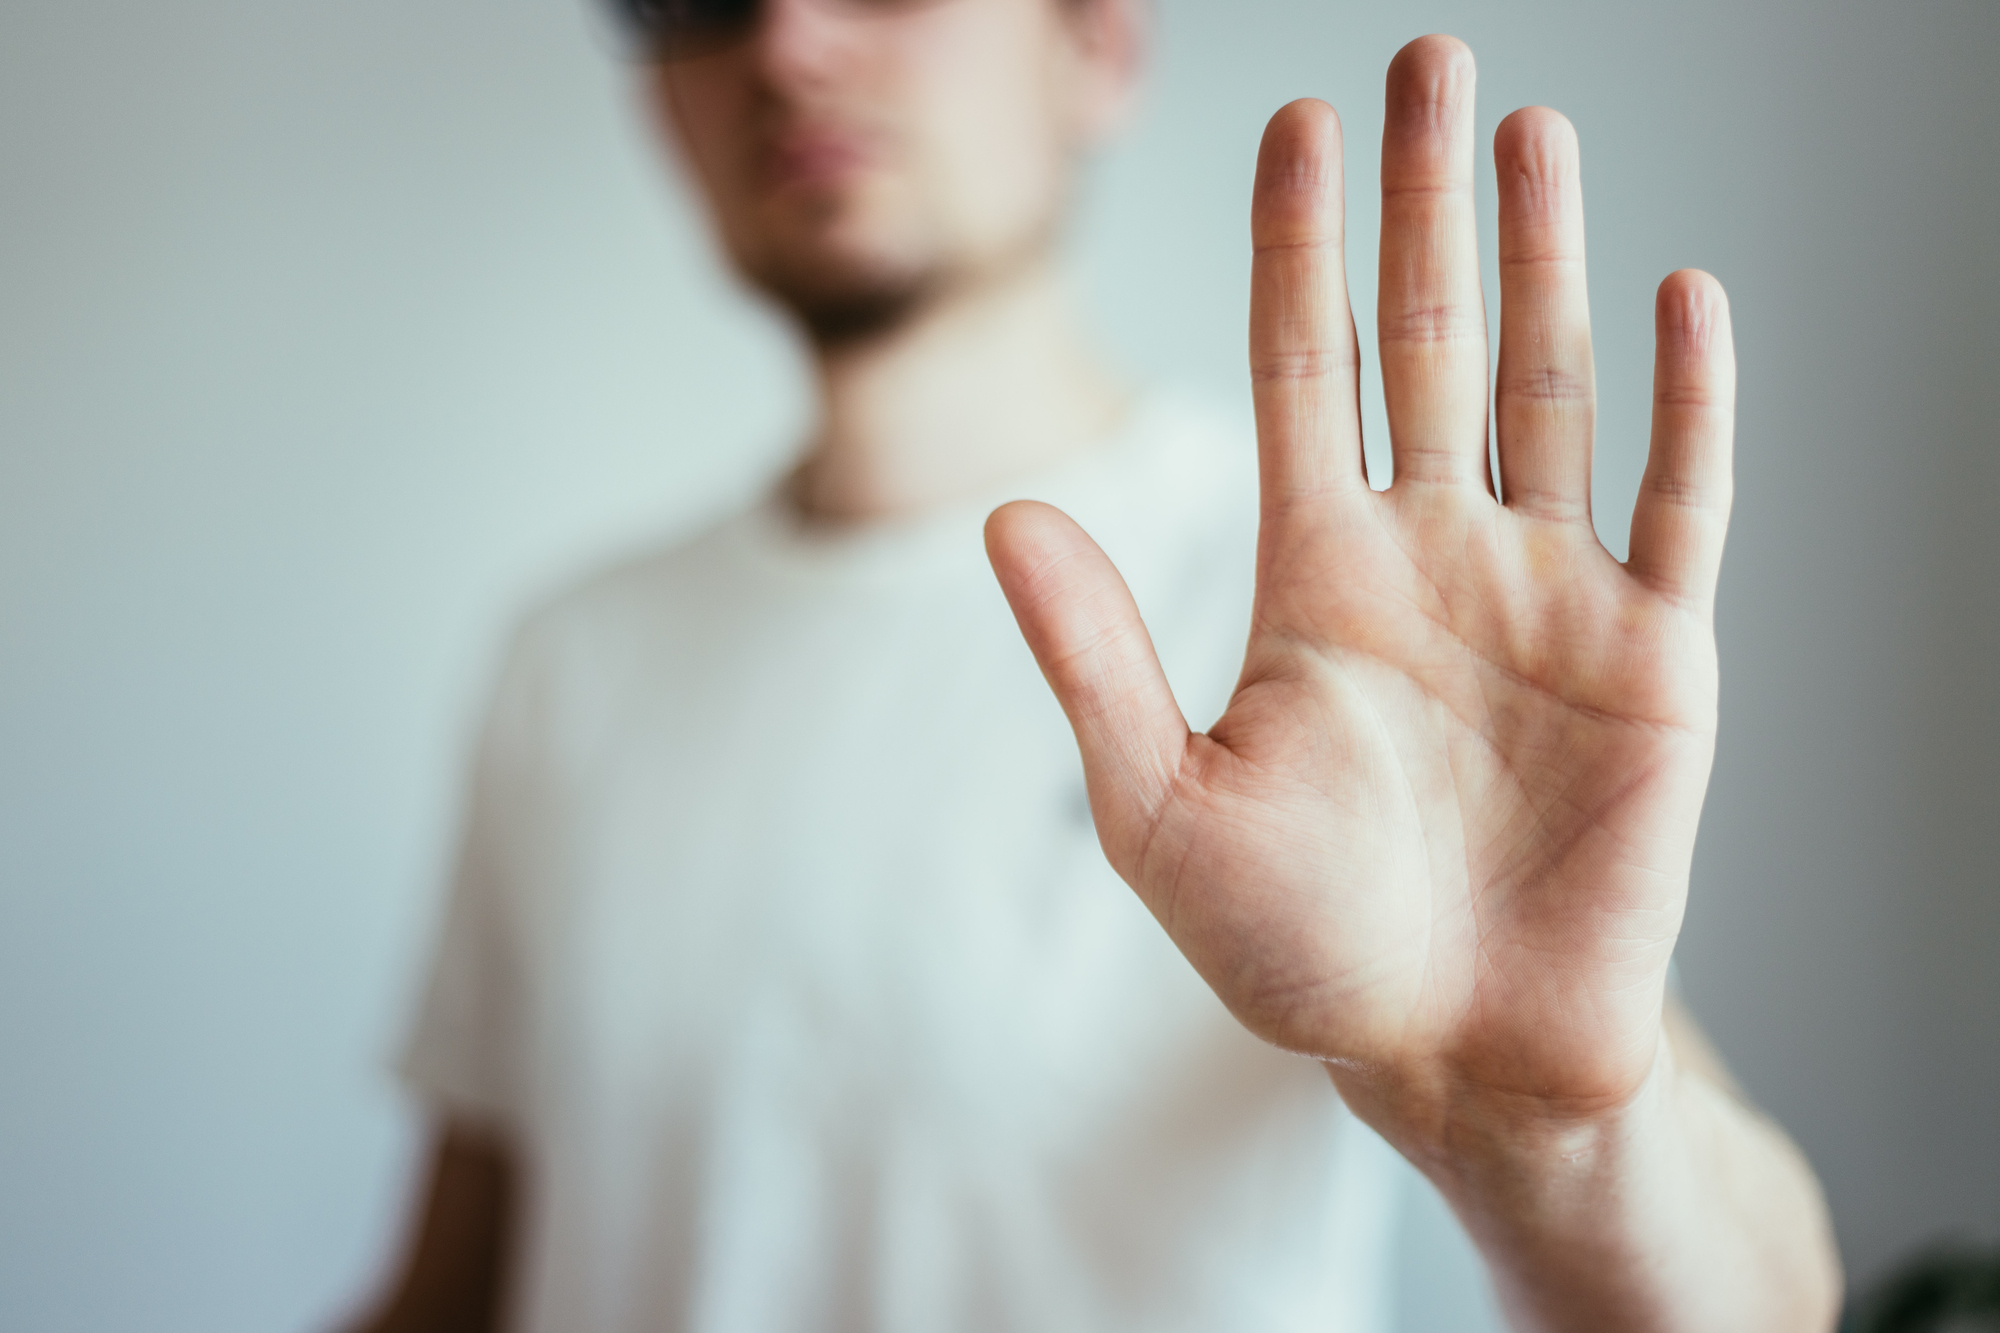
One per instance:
(1441,837)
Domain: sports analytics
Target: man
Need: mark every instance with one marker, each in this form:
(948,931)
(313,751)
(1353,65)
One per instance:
(782,984)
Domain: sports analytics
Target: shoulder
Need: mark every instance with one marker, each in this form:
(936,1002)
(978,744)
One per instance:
(624,604)
(579,653)
(1179,496)
(1183,471)
(1181,526)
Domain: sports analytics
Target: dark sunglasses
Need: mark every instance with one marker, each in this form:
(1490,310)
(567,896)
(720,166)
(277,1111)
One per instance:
(674,29)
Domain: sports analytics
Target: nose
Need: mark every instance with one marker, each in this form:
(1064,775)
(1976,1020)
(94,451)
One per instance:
(799,42)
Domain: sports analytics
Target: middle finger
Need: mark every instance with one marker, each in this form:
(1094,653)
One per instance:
(1430,314)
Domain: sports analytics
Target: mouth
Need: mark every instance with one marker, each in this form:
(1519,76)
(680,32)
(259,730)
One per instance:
(815,158)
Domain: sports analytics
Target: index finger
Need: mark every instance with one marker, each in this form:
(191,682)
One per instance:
(1304,362)
(1682,514)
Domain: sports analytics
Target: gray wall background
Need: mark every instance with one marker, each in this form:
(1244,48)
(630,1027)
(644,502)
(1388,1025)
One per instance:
(328,333)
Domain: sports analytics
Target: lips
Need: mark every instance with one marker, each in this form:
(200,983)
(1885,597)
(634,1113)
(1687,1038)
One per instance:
(816,158)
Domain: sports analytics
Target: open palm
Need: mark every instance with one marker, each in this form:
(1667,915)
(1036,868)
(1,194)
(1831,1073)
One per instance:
(1444,828)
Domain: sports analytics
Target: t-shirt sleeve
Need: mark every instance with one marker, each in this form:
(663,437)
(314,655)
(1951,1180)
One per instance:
(464,1052)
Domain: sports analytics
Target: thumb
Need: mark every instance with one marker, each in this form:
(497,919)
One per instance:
(1084,629)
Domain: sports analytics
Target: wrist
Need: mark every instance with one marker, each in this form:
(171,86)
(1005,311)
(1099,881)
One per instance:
(1507,1154)
(1674,1208)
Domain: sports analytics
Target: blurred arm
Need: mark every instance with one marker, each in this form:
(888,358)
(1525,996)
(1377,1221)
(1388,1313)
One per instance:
(454,1271)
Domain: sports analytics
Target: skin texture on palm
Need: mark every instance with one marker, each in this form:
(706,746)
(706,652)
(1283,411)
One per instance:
(1441,837)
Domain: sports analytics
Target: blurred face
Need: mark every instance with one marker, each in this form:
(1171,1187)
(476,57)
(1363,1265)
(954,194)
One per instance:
(862,157)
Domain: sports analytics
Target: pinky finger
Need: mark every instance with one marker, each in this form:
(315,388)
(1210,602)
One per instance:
(1683,508)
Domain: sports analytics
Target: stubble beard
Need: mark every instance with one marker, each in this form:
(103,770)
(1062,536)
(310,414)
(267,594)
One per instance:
(841,305)
(835,315)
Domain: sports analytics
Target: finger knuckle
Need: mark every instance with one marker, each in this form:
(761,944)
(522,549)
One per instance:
(1440,322)
(1305,363)
(1550,386)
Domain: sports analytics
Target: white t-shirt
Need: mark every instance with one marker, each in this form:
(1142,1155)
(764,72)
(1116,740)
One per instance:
(782,947)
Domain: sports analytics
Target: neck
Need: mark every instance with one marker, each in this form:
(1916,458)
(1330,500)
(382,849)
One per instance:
(988,383)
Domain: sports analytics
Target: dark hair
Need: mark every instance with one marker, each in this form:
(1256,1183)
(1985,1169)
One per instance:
(675,27)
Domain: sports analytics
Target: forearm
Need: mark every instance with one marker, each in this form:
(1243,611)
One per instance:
(1685,1210)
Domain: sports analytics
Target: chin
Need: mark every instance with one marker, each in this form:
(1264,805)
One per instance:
(835,313)
(843,290)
